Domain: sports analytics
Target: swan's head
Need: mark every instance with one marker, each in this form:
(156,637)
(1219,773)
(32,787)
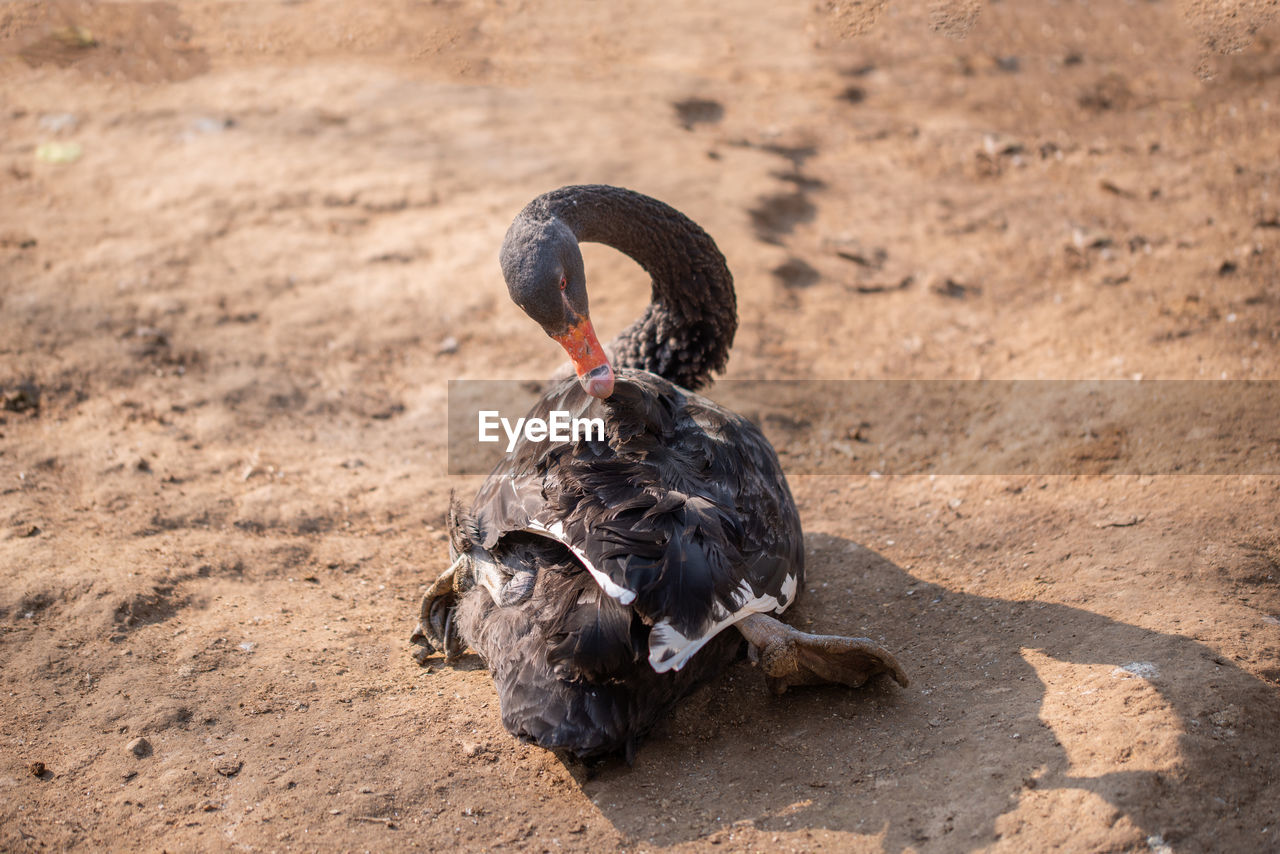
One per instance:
(543,268)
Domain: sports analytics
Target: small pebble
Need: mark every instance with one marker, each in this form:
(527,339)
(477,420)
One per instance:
(139,747)
(58,122)
(59,152)
(227,767)
(37,769)
(448,346)
(210,125)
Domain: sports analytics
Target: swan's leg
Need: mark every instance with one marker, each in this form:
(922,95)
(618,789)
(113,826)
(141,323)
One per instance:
(437,627)
(519,588)
(790,657)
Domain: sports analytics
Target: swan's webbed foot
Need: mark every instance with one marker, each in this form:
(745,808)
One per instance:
(437,629)
(517,590)
(790,657)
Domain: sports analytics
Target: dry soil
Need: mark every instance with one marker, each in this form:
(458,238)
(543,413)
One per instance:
(244,245)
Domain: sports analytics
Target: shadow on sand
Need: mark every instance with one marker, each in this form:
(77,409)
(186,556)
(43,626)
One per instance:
(937,765)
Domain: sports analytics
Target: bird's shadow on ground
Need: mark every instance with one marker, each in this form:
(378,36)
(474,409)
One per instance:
(988,716)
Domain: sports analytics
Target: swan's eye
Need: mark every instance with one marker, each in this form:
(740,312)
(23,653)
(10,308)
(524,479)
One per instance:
(564,283)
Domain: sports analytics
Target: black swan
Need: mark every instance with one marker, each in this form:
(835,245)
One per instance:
(596,578)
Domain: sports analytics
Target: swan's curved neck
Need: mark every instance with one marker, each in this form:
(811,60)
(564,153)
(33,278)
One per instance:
(687,330)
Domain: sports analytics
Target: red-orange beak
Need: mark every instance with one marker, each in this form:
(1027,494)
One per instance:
(589,359)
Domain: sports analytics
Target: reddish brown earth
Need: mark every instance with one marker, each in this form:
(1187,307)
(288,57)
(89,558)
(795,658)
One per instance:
(225,334)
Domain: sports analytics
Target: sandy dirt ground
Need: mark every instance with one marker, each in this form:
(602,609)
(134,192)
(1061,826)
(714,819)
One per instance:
(244,245)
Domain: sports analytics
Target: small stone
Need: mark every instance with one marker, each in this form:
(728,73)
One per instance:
(210,125)
(58,122)
(59,152)
(139,747)
(472,748)
(37,769)
(227,767)
(1145,669)
(448,346)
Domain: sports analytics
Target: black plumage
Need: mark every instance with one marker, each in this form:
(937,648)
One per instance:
(569,668)
(681,503)
(597,578)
